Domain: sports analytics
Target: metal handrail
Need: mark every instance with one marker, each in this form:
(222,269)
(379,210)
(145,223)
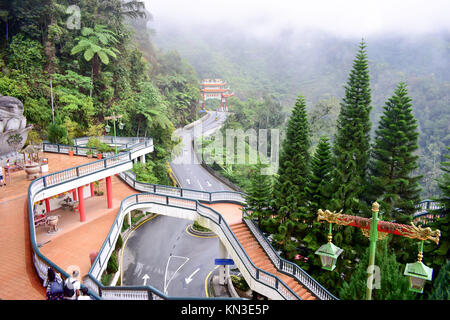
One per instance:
(38,185)
(281,264)
(286,266)
(132,201)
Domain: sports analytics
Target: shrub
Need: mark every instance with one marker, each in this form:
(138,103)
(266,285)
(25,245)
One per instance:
(239,282)
(58,134)
(112,264)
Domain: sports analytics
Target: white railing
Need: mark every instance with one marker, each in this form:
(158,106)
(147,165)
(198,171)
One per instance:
(38,185)
(187,207)
(288,267)
(236,197)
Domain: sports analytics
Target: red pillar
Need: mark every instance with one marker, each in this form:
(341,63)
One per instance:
(109,192)
(81,204)
(92,189)
(47,205)
(74,193)
(221,102)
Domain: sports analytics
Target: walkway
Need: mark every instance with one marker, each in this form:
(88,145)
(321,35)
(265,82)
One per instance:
(75,240)
(18,278)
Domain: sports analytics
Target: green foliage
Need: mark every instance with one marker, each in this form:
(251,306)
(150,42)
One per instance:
(441,290)
(14,88)
(25,56)
(198,227)
(320,180)
(239,282)
(112,266)
(144,172)
(290,195)
(351,146)
(149,110)
(57,133)
(96,42)
(257,200)
(438,255)
(393,159)
(393,284)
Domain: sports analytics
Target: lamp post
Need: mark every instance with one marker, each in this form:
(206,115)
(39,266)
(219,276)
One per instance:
(107,128)
(376,229)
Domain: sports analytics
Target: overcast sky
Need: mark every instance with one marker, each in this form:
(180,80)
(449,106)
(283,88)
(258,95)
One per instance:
(349,18)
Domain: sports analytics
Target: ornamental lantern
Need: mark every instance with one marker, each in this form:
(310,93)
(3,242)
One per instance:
(329,253)
(418,273)
(121,125)
(107,128)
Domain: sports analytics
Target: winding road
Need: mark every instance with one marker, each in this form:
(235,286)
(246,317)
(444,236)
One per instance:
(161,252)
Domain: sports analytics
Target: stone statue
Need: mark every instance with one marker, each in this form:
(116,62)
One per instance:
(13,127)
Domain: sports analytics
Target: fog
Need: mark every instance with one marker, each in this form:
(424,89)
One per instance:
(267,19)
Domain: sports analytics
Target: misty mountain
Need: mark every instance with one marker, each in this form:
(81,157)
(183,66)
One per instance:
(312,63)
(316,64)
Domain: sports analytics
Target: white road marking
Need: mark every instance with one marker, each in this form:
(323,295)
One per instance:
(166,283)
(189,279)
(145,277)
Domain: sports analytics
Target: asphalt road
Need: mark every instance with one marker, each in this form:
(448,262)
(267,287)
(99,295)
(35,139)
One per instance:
(161,252)
(187,168)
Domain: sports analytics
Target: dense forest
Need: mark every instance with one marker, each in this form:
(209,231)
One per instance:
(89,64)
(315,64)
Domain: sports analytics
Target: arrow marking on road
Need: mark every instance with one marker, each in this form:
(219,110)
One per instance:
(166,283)
(189,279)
(145,277)
(208,183)
(188,181)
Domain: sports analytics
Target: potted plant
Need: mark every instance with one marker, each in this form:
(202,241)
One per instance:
(89,154)
(71,151)
(103,148)
(94,143)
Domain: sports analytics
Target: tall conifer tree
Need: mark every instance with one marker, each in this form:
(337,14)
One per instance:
(393,162)
(290,196)
(258,194)
(319,182)
(439,254)
(352,141)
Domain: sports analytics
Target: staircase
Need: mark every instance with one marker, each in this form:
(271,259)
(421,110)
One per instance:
(262,261)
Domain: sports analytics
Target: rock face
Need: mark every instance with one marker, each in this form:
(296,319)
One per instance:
(13,129)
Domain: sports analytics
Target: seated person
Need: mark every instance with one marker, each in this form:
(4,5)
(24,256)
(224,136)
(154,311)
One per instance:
(68,200)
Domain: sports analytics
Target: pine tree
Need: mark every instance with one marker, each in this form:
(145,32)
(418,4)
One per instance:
(319,182)
(352,140)
(444,185)
(290,196)
(393,161)
(312,234)
(438,255)
(258,195)
(441,289)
